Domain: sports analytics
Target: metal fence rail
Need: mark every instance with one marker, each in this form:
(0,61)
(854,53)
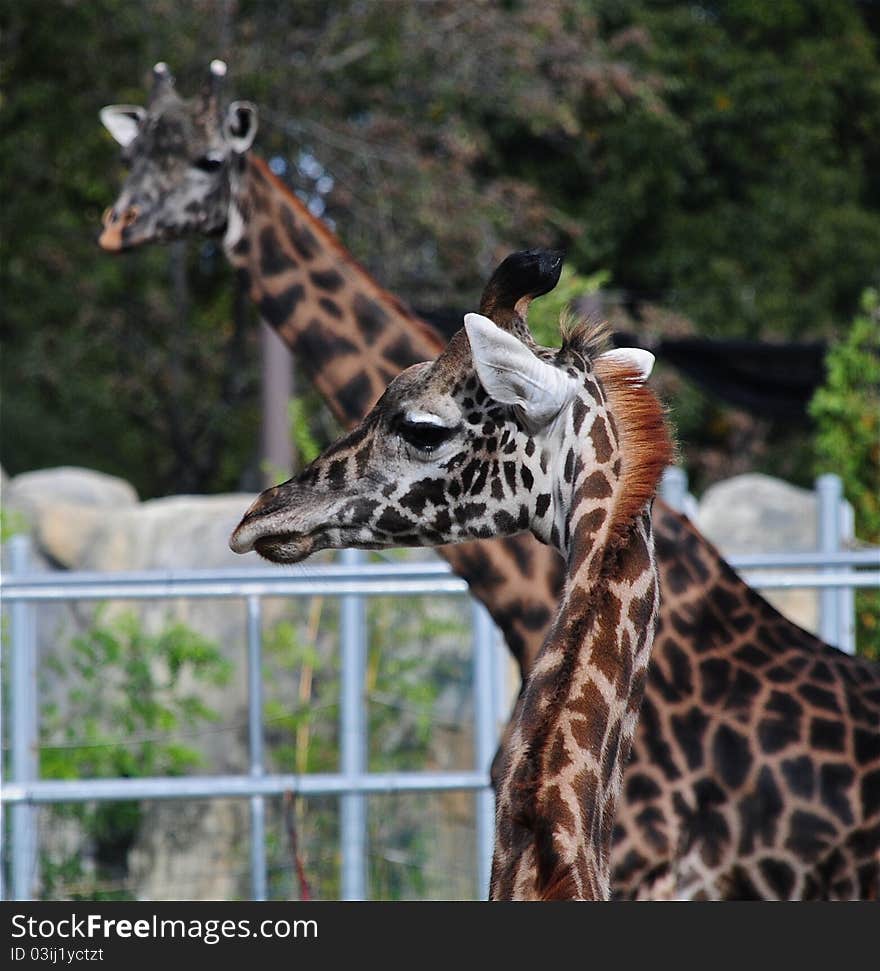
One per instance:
(834,571)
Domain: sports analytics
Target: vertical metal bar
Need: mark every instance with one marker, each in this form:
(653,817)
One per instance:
(255,745)
(24,730)
(353,738)
(828,495)
(484,739)
(847,595)
(674,486)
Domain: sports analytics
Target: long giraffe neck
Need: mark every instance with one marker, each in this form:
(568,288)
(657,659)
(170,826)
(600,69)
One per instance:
(352,337)
(573,732)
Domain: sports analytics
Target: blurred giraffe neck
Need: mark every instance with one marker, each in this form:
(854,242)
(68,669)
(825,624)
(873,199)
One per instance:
(350,335)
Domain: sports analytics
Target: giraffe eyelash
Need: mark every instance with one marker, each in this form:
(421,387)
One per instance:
(423,435)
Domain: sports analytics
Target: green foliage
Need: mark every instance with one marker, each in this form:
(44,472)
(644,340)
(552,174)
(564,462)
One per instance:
(406,675)
(546,313)
(847,414)
(132,696)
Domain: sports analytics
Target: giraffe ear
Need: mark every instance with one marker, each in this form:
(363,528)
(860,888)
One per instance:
(632,358)
(512,374)
(122,121)
(240,125)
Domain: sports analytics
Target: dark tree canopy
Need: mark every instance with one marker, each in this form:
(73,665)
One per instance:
(717,159)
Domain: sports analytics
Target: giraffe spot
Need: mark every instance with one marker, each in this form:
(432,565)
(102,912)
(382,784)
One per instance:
(587,527)
(568,471)
(779,877)
(828,736)
(743,691)
(688,730)
(497,489)
(739,885)
(749,654)
(578,413)
(870,794)
(759,813)
(809,835)
(468,473)
(315,345)
(820,697)
(336,472)
(330,307)
(242,247)
(371,318)
(422,492)
(276,309)
(391,521)
(589,729)
(731,756)
(530,448)
(601,442)
(355,397)
(866,745)
(799,776)
(302,239)
(480,481)
(504,523)
(542,504)
(510,475)
(640,787)
(834,780)
(522,552)
(596,486)
(403,353)
(702,824)
(821,672)
(782,726)
(329,280)
(273,260)
(468,511)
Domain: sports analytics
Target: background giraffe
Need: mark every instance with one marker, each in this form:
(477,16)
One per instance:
(756,763)
(495,436)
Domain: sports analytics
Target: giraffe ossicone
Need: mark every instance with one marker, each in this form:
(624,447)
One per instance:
(495,437)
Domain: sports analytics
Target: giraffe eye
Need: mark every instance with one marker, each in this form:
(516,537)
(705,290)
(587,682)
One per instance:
(208,163)
(423,435)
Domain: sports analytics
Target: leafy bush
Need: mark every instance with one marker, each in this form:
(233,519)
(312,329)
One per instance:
(131,695)
(847,414)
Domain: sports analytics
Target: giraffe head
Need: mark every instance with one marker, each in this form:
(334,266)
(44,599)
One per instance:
(487,440)
(182,155)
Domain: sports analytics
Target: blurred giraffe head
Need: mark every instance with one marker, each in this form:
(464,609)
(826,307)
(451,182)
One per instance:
(182,154)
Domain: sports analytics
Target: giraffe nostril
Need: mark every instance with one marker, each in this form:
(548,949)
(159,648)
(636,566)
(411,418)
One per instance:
(130,215)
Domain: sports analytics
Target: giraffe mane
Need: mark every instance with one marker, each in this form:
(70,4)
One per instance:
(645,442)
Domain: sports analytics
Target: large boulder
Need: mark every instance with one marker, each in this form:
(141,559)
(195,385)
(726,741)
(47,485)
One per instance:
(759,514)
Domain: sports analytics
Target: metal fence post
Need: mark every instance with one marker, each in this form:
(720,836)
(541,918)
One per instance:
(23,726)
(847,595)
(484,738)
(828,496)
(353,738)
(255,745)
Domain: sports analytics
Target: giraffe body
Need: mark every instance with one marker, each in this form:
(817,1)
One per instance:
(701,761)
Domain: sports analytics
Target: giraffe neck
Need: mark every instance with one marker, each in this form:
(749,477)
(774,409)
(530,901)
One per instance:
(350,335)
(574,729)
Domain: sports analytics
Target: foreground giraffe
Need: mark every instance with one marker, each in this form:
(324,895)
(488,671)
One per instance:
(496,436)
(755,769)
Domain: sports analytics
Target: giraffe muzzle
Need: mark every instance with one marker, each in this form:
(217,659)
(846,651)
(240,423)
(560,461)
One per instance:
(115,223)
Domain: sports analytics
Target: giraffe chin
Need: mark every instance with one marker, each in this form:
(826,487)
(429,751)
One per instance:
(285,547)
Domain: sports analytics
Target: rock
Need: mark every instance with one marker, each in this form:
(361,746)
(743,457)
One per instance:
(759,514)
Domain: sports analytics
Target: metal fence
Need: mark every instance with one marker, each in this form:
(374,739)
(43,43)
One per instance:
(835,572)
